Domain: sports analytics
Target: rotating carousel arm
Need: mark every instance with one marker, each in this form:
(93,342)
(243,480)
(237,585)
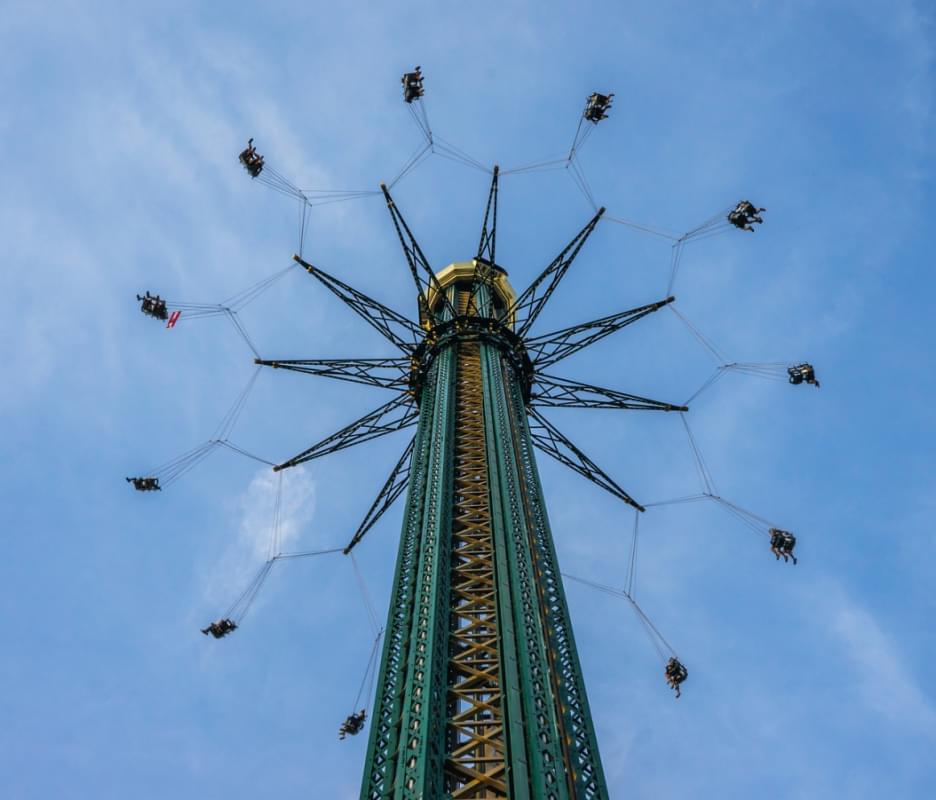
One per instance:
(530,304)
(551,391)
(548,439)
(549,348)
(415,258)
(399,413)
(387,373)
(391,324)
(391,490)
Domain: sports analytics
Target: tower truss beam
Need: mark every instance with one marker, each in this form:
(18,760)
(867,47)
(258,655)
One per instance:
(385,744)
(476,762)
(555,392)
(488,243)
(399,413)
(551,441)
(581,759)
(549,348)
(528,306)
(389,323)
(416,260)
(387,373)
(389,492)
(487,246)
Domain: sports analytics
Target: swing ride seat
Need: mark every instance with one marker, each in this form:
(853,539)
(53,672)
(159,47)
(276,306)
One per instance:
(145,484)
(221,628)
(412,85)
(353,725)
(251,159)
(597,107)
(676,673)
(802,372)
(737,219)
(784,541)
(153,306)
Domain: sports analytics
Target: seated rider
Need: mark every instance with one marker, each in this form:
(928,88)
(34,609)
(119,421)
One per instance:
(740,221)
(352,725)
(747,208)
(744,214)
(412,85)
(803,372)
(597,107)
(676,674)
(782,544)
(145,484)
(249,153)
(776,542)
(153,306)
(221,628)
(251,159)
(809,375)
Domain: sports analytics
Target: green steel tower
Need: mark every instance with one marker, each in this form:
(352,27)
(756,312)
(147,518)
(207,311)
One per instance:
(480,692)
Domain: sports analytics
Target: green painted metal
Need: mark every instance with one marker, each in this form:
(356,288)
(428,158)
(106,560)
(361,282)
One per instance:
(543,742)
(518,768)
(581,745)
(385,719)
(419,767)
(549,738)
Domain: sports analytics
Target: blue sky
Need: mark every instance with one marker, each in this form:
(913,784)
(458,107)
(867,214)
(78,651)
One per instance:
(121,131)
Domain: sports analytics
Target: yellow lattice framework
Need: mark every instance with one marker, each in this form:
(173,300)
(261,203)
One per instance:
(476,761)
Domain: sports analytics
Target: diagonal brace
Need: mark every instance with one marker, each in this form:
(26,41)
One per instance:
(391,324)
(392,489)
(537,294)
(416,260)
(549,348)
(548,439)
(399,413)
(387,373)
(488,245)
(555,392)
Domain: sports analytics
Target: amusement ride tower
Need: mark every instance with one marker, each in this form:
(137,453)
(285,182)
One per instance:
(479,692)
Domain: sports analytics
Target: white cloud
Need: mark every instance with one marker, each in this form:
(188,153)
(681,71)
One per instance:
(260,531)
(879,672)
(260,535)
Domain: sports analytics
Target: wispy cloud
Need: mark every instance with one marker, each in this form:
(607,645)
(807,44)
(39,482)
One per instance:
(262,527)
(876,668)
(274,510)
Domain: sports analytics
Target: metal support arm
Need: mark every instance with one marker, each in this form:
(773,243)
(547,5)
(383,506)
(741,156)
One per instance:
(534,298)
(549,348)
(399,413)
(391,324)
(488,244)
(392,489)
(548,439)
(551,391)
(414,257)
(388,373)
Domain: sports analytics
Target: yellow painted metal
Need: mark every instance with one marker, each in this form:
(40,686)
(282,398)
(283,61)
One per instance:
(463,272)
(476,756)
